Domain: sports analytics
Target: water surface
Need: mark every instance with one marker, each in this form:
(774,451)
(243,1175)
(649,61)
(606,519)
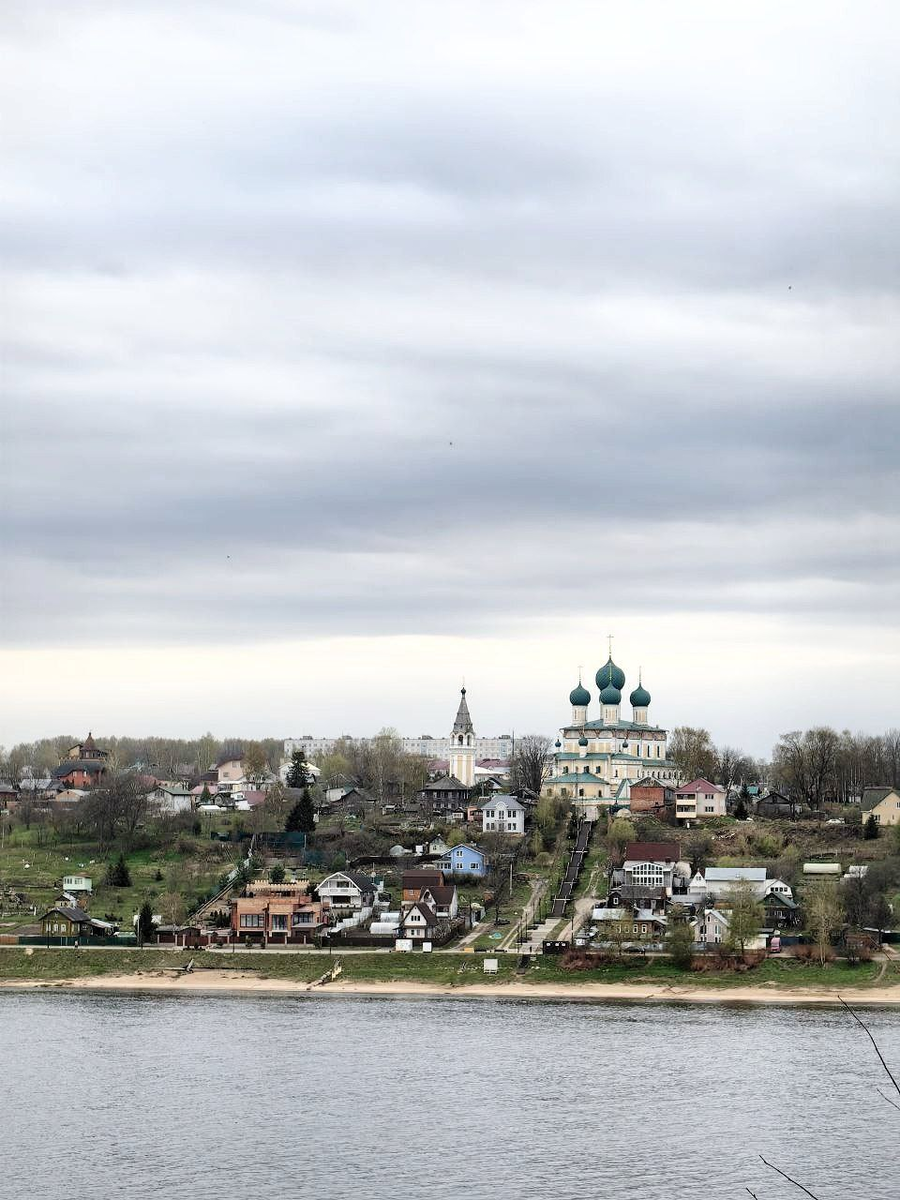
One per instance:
(204,1098)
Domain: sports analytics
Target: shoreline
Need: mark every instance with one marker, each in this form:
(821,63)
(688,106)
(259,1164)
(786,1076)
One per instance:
(235,983)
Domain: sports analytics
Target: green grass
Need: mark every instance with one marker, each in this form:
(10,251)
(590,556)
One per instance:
(451,969)
(189,874)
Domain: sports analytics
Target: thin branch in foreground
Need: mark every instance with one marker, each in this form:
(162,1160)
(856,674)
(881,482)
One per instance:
(784,1175)
(868,1033)
(893,1103)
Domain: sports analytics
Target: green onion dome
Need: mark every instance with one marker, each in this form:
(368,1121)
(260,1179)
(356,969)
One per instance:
(608,674)
(582,741)
(610,695)
(580,697)
(640,697)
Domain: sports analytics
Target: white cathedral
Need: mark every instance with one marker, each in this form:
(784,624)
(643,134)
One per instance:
(597,761)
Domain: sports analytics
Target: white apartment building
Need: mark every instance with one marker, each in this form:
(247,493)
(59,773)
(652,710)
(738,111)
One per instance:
(424,745)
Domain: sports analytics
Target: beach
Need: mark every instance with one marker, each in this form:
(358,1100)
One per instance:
(212,982)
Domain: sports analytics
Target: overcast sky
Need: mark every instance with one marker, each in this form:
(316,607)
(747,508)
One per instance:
(353,348)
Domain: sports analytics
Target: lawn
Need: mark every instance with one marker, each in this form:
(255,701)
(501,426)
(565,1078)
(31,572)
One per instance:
(449,969)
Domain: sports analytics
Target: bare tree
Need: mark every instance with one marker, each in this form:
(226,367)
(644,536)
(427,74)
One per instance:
(693,753)
(823,914)
(528,765)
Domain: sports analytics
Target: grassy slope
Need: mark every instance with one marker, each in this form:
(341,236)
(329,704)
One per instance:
(191,873)
(435,968)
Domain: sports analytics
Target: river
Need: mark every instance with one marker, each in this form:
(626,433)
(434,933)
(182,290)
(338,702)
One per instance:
(392,1099)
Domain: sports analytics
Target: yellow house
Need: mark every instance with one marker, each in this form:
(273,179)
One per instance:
(882,803)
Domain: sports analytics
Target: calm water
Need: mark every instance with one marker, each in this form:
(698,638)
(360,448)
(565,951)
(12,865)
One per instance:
(196,1098)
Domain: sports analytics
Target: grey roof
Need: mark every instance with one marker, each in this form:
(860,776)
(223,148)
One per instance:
(732,874)
(78,764)
(463,722)
(77,915)
(446,783)
(778,898)
(365,883)
(511,803)
(874,795)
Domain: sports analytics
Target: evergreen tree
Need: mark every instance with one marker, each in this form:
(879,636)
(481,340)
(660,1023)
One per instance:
(145,925)
(276,874)
(740,809)
(297,776)
(870,829)
(302,817)
(205,797)
(117,873)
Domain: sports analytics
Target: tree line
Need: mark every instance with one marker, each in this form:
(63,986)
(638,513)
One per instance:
(816,766)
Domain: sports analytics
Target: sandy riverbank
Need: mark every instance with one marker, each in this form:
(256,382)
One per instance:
(249,983)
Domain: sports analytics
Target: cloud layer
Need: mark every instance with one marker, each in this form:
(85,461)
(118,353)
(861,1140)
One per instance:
(329,320)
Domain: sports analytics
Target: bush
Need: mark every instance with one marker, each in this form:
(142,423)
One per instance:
(680,944)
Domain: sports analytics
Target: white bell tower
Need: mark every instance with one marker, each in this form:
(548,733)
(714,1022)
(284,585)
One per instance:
(462,745)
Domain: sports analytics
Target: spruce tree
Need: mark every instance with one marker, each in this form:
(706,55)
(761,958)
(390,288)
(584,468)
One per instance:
(297,776)
(117,873)
(145,923)
(302,817)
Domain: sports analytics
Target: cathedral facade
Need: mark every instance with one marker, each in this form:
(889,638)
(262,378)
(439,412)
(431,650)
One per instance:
(597,760)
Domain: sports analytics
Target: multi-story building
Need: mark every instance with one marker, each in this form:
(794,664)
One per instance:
(278,913)
(425,746)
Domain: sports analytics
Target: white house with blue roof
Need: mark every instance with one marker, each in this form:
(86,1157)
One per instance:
(597,759)
(465,860)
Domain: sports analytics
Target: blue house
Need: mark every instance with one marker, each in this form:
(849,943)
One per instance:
(464,860)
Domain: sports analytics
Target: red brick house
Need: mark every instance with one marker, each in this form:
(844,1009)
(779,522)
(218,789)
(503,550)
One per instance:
(278,914)
(84,766)
(648,795)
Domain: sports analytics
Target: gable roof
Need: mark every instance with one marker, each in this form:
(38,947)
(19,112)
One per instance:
(873,796)
(426,910)
(420,879)
(440,893)
(446,783)
(651,852)
(365,883)
(698,785)
(510,802)
(76,915)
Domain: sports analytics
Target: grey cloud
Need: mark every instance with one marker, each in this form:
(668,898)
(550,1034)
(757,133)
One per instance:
(254,326)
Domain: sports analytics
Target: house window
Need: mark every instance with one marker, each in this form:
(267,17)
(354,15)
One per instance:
(279,922)
(251,920)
